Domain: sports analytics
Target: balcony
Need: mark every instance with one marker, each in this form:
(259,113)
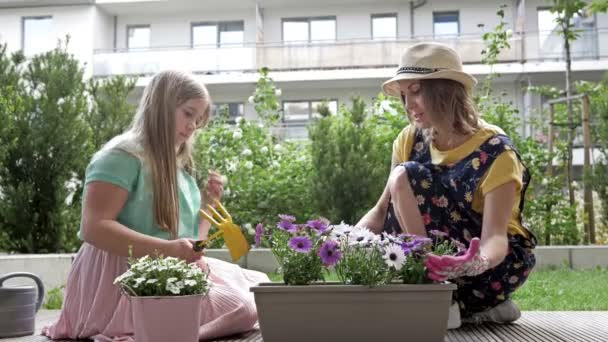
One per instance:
(341,54)
(197,60)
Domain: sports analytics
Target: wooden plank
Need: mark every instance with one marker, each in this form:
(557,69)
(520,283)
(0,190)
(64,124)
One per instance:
(564,99)
(587,171)
(534,326)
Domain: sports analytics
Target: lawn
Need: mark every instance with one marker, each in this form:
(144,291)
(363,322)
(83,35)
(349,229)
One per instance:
(555,289)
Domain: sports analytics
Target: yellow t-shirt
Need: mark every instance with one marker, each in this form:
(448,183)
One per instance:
(505,168)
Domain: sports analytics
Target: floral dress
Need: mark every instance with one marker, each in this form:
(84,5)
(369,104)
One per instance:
(445,195)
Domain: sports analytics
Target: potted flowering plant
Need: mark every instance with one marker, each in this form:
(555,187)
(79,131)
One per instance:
(383,289)
(159,287)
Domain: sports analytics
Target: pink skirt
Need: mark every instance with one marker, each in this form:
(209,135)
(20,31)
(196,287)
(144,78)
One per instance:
(95,308)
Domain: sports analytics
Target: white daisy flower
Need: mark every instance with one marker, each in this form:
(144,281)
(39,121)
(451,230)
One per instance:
(360,236)
(172,288)
(394,256)
(339,231)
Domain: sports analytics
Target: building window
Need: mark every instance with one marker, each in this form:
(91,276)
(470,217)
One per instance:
(219,34)
(384,26)
(305,110)
(551,43)
(233,109)
(446,24)
(37,35)
(318,29)
(138,37)
(297,116)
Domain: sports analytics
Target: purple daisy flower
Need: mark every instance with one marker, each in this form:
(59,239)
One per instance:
(329,253)
(259,230)
(300,244)
(287,226)
(285,217)
(318,225)
(407,248)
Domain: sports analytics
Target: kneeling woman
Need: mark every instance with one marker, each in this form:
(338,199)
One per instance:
(454,173)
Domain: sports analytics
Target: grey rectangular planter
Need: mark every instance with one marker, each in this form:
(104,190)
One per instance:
(335,312)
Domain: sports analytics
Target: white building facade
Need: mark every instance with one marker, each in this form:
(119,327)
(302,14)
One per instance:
(316,49)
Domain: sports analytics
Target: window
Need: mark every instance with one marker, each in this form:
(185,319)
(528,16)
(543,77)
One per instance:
(384,26)
(297,115)
(234,109)
(551,43)
(305,110)
(204,35)
(37,35)
(138,37)
(319,29)
(220,34)
(446,24)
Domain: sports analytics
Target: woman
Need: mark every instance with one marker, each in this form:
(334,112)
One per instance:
(456,174)
(140,196)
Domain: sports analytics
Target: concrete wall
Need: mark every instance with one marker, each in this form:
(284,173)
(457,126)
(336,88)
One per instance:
(174,29)
(352,22)
(74,21)
(103,30)
(471,14)
(53,269)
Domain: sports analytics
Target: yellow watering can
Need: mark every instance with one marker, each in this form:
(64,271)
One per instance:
(233,236)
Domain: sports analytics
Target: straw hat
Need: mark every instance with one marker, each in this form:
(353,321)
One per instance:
(428,61)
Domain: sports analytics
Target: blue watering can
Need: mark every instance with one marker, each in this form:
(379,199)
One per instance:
(18,305)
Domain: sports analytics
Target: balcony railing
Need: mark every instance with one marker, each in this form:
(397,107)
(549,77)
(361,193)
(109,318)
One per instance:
(150,61)
(335,54)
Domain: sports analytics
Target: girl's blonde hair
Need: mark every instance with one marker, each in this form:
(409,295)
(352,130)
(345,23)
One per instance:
(151,138)
(449,101)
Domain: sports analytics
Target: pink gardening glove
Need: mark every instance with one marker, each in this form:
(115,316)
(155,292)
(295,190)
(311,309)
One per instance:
(446,267)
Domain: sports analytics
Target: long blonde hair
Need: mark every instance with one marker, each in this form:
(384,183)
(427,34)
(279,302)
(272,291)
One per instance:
(451,101)
(151,138)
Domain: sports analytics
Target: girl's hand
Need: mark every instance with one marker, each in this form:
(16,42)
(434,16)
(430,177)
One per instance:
(183,249)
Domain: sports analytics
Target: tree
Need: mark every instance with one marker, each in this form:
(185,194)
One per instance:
(111,112)
(566,10)
(547,214)
(51,121)
(351,156)
(45,140)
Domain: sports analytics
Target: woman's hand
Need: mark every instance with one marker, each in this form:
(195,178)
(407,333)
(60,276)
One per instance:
(472,263)
(215,187)
(183,249)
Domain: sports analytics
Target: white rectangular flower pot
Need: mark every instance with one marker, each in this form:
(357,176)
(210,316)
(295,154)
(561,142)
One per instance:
(167,318)
(335,312)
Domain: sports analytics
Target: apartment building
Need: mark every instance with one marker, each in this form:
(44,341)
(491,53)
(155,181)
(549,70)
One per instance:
(316,49)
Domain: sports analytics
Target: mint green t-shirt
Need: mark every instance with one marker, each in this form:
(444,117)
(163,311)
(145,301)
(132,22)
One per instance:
(125,170)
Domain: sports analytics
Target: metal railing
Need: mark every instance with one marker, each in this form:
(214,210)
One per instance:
(339,54)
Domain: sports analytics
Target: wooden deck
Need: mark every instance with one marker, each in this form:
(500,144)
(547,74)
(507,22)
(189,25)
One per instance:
(537,326)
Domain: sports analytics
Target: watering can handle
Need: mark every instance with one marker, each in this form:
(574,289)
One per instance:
(27,275)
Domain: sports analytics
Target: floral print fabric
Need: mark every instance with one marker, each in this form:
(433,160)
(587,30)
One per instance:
(444,194)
